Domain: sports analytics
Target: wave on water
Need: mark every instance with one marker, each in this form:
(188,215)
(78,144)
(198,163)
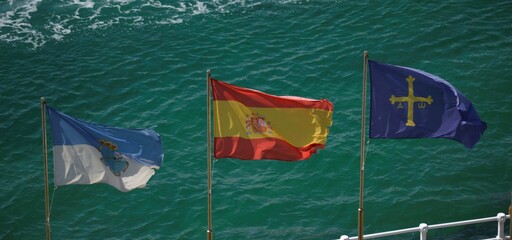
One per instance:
(15,23)
(33,23)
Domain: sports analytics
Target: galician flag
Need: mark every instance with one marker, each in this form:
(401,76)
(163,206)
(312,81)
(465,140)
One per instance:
(88,153)
(252,125)
(410,103)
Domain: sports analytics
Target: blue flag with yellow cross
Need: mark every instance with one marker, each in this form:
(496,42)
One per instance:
(410,103)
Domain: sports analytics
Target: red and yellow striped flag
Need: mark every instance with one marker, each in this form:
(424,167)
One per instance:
(251,125)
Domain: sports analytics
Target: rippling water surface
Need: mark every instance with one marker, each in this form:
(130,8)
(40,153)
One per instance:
(143,64)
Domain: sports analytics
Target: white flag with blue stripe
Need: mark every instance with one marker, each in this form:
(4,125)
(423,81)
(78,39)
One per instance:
(88,153)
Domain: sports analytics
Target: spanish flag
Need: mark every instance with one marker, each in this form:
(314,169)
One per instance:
(252,125)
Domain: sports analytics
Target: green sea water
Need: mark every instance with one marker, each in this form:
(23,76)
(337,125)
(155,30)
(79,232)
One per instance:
(138,64)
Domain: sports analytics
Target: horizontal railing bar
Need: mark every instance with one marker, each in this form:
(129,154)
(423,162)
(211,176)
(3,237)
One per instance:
(367,237)
(388,233)
(462,223)
(429,227)
(391,233)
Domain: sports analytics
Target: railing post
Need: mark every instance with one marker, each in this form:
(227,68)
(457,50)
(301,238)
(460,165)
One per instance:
(423,231)
(501,226)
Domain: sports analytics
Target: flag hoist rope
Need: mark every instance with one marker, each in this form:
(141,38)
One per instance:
(360,225)
(45,160)
(209,231)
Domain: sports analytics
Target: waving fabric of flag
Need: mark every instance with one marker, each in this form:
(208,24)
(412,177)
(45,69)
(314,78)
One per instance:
(88,153)
(252,125)
(410,103)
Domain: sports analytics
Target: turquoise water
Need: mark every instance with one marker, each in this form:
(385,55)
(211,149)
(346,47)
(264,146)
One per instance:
(143,64)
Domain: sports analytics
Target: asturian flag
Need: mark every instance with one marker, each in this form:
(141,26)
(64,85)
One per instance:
(88,153)
(410,103)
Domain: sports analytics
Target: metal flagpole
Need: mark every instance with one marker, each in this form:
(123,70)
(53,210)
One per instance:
(360,224)
(209,232)
(45,159)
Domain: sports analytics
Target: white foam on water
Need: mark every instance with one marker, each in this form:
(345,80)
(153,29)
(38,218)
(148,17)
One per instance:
(70,16)
(59,30)
(86,4)
(159,5)
(98,25)
(15,25)
(170,21)
(182,8)
(224,7)
(123,2)
(200,8)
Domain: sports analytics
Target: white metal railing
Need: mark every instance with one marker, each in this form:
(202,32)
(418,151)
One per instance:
(424,228)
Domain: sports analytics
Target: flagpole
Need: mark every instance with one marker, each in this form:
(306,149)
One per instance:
(209,232)
(360,225)
(45,160)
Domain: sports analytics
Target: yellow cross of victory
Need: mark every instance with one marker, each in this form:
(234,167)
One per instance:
(410,100)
